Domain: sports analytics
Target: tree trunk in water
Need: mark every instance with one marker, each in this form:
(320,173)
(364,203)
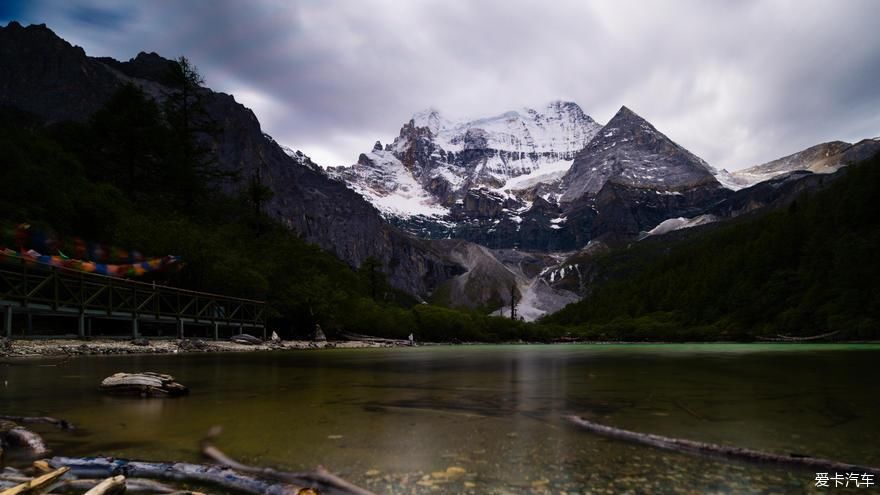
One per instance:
(726,452)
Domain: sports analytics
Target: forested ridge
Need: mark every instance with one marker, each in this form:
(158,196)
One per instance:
(137,175)
(808,269)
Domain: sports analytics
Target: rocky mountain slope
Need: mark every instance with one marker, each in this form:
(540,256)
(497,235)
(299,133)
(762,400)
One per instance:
(46,76)
(544,180)
(825,158)
(630,152)
(473,179)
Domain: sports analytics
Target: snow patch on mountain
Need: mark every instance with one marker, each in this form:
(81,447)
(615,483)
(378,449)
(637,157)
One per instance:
(679,223)
(730,181)
(385,182)
(545,171)
(824,158)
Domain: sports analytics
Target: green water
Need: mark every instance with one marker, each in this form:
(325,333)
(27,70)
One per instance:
(389,418)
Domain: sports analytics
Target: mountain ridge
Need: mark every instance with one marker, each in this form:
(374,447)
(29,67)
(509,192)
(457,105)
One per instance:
(69,85)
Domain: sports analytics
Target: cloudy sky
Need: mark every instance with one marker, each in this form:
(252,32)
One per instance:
(736,82)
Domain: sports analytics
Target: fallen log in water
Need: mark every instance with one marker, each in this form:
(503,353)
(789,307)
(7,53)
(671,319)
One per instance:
(722,451)
(60,423)
(146,384)
(172,471)
(11,434)
(376,340)
(245,339)
(321,479)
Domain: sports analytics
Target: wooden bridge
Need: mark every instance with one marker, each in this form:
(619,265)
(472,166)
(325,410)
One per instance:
(50,291)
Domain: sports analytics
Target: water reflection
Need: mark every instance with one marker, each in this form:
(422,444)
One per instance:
(476,419)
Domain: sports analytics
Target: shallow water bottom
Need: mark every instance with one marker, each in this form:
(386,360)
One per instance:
(481,419)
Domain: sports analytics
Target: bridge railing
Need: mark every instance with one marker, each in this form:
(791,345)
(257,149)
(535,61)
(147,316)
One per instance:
(36,288)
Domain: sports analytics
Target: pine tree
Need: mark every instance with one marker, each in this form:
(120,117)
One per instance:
(194,131)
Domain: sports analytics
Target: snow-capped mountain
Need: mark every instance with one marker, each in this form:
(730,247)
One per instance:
(435,161)
(553,179)
(522,178)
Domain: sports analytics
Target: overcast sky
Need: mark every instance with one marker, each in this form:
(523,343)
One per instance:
(736,82)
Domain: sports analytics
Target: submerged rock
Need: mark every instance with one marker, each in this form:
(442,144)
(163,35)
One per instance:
(16,437)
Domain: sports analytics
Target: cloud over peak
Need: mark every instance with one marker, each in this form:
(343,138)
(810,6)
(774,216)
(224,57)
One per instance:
(736,83)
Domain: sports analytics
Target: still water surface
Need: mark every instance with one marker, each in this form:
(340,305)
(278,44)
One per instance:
(480,419)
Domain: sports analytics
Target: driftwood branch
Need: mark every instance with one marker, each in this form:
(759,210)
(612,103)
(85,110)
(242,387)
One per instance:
(721,451)
(110,486)
(132,485)
(60,423)
(36,485)
(319,479)
(245,339)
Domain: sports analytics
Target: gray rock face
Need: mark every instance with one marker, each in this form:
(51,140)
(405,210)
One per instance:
(630,152)
(44,75)
(47,76)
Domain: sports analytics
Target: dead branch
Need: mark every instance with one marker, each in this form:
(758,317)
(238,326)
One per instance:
(110,486)
(37,485)
(320,479)
(703,449)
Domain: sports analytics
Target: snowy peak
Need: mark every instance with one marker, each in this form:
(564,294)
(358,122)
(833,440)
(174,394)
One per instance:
(630,151)
(432,120)
(560,127)
(626,124)
(447,158)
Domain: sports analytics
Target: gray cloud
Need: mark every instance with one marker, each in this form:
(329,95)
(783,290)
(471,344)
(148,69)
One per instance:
(737,83)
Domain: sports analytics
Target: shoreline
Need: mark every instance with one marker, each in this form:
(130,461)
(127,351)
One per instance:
(70,347)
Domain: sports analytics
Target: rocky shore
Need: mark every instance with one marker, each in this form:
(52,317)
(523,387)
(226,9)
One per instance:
(75,347)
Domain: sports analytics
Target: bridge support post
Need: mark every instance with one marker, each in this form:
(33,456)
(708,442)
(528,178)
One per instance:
(216,331)
(180,329)
(7,321)
(134,327)
(30,324)
(81,325)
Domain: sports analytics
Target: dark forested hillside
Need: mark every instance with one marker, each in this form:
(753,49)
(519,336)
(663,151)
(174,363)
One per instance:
(121,178)
(807,269)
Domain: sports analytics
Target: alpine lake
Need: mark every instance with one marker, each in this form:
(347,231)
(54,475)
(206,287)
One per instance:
(480,419)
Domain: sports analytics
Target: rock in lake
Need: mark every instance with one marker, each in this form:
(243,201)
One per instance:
(146,384)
